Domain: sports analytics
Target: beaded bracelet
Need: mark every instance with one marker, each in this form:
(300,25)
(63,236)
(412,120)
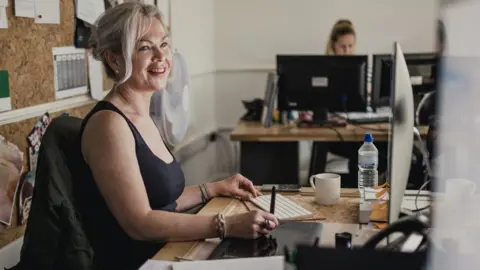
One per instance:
(204,192)
(220,226)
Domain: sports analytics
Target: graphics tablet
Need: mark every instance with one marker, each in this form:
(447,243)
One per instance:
(288,234)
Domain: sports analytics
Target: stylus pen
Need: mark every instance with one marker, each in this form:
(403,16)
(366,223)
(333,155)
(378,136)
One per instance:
(272,201)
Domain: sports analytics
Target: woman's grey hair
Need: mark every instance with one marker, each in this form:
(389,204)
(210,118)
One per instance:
(118,30)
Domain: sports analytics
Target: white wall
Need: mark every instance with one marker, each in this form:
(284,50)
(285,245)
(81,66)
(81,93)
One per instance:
(192,27)
(193,36)
(249,33)
(230,46)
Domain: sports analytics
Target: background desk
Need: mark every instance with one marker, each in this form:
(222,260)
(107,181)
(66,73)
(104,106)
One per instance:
(342,217)
(271,155)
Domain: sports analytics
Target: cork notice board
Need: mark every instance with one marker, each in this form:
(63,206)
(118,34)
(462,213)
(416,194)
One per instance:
(26,52)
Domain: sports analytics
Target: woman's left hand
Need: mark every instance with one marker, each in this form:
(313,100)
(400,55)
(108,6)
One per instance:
(237,186)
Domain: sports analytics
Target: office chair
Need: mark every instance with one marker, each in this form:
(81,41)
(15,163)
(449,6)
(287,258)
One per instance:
(54,237)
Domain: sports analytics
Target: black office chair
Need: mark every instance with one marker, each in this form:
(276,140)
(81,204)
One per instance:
(54,237)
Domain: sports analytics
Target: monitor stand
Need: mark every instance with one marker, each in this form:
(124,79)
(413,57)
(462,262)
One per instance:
(320,119)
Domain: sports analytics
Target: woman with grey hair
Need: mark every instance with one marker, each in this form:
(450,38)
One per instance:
(130,191)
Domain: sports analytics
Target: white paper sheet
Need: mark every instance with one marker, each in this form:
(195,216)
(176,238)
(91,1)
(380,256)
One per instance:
(25,8)
(3,3)
(95,78)
(47,11)
(3,18)
(69,72)
(157,265)
(258,263)
(89,10)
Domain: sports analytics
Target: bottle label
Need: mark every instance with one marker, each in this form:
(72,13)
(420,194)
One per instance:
(372,164)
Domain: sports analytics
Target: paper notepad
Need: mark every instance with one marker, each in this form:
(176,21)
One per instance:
(157,265)
(257,263)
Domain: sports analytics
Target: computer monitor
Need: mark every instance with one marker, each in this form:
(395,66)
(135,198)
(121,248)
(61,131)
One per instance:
(401,136)
(422,68)
(322,83)
(313,258)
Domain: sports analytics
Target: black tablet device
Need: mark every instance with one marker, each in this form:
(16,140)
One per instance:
(288,234)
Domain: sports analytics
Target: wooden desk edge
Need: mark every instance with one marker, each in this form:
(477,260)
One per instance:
(249,131)
(172,250)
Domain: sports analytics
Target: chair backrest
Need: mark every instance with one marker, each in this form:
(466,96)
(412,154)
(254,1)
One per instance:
(54,237)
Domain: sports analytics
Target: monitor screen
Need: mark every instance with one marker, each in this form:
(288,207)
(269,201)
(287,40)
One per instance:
(311,82)
(422,68)
(313,258)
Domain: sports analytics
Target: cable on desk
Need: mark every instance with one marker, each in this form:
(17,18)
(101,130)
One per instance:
(418,194)
(342,140)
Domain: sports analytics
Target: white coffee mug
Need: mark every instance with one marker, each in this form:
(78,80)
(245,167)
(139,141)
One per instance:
(326,187)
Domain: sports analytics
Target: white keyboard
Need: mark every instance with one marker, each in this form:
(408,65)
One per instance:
(284,207)
(380,113)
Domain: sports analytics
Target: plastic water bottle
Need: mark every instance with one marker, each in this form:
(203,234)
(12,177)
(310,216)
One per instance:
(367,165)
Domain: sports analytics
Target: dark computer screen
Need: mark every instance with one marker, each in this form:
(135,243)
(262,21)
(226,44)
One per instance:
(313,258)
(315,82)
(421,66)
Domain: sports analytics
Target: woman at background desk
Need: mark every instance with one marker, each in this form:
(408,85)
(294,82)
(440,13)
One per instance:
(342,41)
(129,189)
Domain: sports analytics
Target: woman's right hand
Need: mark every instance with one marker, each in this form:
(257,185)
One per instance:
(251,224)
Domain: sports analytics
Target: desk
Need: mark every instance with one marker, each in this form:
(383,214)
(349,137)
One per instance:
(342,217)
(270,155)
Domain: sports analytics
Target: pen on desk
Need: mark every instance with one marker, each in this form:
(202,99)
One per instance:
(272,201)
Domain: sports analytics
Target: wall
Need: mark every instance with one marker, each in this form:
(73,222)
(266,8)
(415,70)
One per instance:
(249,33)
(193,36)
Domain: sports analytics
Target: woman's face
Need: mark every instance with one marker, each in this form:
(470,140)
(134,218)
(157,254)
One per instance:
(345,45)
(152,60)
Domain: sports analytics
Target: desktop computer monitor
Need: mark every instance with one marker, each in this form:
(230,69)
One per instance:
(313,258)
(422,68)
(321,83)
(401,136)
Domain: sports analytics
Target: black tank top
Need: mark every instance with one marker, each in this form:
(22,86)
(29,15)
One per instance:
(164,183)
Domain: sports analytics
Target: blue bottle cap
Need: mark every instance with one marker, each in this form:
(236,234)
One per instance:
(368,138)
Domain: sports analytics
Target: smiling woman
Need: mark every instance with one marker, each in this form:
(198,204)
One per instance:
(129,189)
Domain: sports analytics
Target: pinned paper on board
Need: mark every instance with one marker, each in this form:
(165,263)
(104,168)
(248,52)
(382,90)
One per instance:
(25,199)
(34,139)
(89,10)
(25,8)
(5,104)
(95,78)
(3,18)
(11,169)
(47,11)
(70,72)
